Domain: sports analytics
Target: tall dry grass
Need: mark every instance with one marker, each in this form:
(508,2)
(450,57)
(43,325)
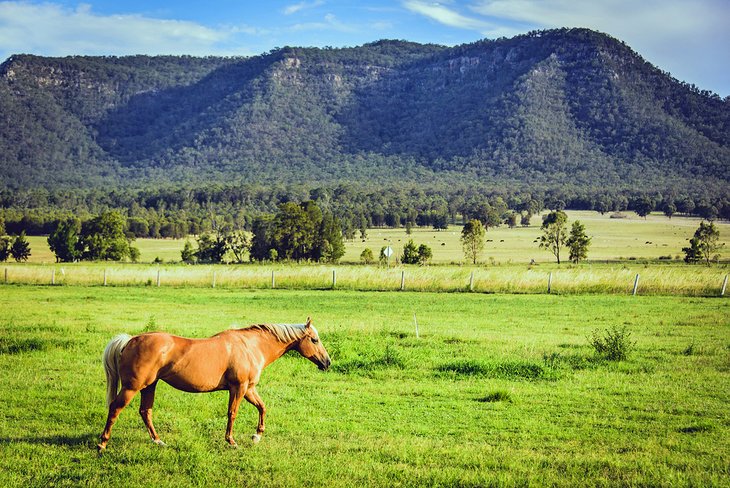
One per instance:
(584,279)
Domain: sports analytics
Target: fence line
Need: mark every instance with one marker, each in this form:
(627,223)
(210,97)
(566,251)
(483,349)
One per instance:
(692,281)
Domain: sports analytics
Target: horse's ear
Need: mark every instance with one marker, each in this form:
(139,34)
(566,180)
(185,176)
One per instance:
(309,322)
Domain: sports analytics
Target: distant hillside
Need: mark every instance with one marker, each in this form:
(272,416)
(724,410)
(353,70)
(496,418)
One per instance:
(558,107)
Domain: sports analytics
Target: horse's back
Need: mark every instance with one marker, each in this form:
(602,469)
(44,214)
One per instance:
(187,364)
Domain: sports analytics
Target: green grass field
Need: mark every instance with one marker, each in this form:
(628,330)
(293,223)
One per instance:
(499,390)
(613,239)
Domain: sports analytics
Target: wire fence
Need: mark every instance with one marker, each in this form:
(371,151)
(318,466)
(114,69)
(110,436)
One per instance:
(648,280)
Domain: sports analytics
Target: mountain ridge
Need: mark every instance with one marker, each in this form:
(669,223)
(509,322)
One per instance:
(549,107)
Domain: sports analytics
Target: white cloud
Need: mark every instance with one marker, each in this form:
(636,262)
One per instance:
(51,29)
(296,7)
(444,15)
(689,39)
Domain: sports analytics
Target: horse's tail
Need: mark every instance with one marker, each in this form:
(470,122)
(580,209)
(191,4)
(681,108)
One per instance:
(112,352)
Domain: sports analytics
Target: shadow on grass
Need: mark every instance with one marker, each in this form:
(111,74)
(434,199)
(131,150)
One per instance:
(84,440)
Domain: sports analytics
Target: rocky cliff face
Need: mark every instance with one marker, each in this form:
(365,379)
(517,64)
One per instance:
(553,106)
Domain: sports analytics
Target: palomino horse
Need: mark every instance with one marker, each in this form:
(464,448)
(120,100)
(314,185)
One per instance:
(231,360)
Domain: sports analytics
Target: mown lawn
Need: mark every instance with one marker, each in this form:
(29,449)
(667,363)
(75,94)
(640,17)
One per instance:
(498,390)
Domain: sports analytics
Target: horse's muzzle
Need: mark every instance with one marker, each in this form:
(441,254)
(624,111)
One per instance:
(324,364)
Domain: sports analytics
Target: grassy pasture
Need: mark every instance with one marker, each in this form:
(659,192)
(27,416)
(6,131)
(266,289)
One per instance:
(498,390)
(613,239)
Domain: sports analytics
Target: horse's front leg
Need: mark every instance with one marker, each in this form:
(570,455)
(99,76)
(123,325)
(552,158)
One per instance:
(254,399)
(234,400)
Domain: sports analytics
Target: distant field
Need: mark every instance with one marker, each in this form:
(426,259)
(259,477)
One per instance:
(613,239)
(500,390)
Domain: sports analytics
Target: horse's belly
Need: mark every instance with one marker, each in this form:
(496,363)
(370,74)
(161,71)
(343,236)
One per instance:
(194,380)
(194,386)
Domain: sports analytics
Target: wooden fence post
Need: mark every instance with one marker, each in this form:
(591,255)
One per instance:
(471,282)
(722,292)
(104,276)
(6,276)
(636,284)
(416,323)
(158,277)
(334,278)
(550,281)
(213,279)
(402,280)
(53,276)
(273,279)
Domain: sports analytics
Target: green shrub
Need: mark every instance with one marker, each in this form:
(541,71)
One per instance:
(614,345)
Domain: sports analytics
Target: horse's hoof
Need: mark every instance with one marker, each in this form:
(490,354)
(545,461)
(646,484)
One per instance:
(100,448)
(233,445)
(159,442)
(256,438)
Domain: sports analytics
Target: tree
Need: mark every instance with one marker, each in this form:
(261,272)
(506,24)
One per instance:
(511,220)
(525,219)
(262,241)
(187,255)
(670,209)
(211,248)
(382,257)
(643,206)
(473,238)
(64,240)
(578,242)
(5,244)
(238,242)
(366,256)
(705,245)
(2,225)
(20,249)
(424,254)
(553,232)
(103,238)
(330,240)
(410,253)
(293,232)
(440,221)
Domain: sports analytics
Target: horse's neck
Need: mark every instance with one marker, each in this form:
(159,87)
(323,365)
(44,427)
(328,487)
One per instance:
(271,347)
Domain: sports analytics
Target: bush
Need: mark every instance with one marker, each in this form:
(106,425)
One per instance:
(366,256)
(614,345)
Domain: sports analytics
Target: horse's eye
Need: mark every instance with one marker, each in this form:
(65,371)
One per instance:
(315,340)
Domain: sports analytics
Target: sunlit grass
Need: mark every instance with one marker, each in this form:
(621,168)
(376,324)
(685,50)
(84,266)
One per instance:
(498,390)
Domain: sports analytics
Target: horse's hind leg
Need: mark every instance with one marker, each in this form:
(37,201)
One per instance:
(122,400)
(145,410)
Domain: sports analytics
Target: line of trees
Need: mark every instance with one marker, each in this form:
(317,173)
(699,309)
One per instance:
(16,246)
(302,232)
(175,213)
(103,237)
(297,232)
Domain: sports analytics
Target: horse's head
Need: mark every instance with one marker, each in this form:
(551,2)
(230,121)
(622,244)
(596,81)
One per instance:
(311,347)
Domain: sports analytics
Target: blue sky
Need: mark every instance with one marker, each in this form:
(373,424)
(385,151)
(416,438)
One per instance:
(689,38)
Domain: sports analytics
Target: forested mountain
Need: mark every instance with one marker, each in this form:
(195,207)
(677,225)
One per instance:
(545,109)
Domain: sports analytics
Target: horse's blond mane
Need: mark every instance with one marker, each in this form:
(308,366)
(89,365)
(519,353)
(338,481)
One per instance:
(283,332)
